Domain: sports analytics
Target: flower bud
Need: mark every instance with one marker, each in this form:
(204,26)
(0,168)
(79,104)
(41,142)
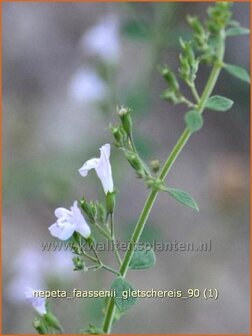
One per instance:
(89,209)
(101,213)
(116,133)
(194,22)
(110,202)
(155,165)
(124,114)
(91,241)
(79,263)
(171,96)
(219,16)
(119,135)
(154,183)
(133,160)
(136,163)
(170,78)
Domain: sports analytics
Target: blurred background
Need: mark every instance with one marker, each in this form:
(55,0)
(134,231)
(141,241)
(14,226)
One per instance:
(65,68)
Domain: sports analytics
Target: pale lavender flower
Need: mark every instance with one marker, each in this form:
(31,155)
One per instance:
(86,86)
(19,283)
(33,268)
(102,167)
(103,40)
(38,303)
(68,222)
(61,264)
(27,270)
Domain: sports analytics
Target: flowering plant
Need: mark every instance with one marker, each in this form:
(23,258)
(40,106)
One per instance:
(207,46)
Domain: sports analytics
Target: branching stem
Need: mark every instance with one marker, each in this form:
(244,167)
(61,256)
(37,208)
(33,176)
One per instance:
(110,310)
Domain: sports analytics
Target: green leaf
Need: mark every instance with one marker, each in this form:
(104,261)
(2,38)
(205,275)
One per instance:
(235,31)
(122,287)
(142,259)
(194,120)
(219,103)
(183,197)
(237,72)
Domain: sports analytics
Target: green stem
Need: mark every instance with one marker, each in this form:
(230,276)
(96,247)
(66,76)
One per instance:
(96,255)
(102,231)
(195,92)
(187,102)
(165,170)
(110,269)
(112,225)
(85,254)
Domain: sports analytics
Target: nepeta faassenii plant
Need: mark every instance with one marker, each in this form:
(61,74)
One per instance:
(207,46)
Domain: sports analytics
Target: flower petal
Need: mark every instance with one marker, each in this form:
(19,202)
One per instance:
(38,303)
(81,225)
(84,230)
(106,150)
(60,212)
(88,165)
(62,232)
(103,169)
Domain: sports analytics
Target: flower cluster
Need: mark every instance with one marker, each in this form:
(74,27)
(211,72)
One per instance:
(70,221)
(71,224)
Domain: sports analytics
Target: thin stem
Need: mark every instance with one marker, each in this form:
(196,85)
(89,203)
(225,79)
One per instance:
(195,92)
(112,226)
(96,255)
(187,102)
(165,170)
(106,267)
(100,263)
(93,266)
(110,269)
(104,232)
(85,254)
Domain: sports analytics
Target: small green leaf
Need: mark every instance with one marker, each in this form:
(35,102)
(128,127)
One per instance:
(194,120)
(237,72)
(235,31)
(142,259)
(123,300)
(183,197)
(219,103)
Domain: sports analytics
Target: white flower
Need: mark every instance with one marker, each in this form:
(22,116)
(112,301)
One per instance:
(68,222)
(38,303)
(103,40)
(87,86)
(102,167)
